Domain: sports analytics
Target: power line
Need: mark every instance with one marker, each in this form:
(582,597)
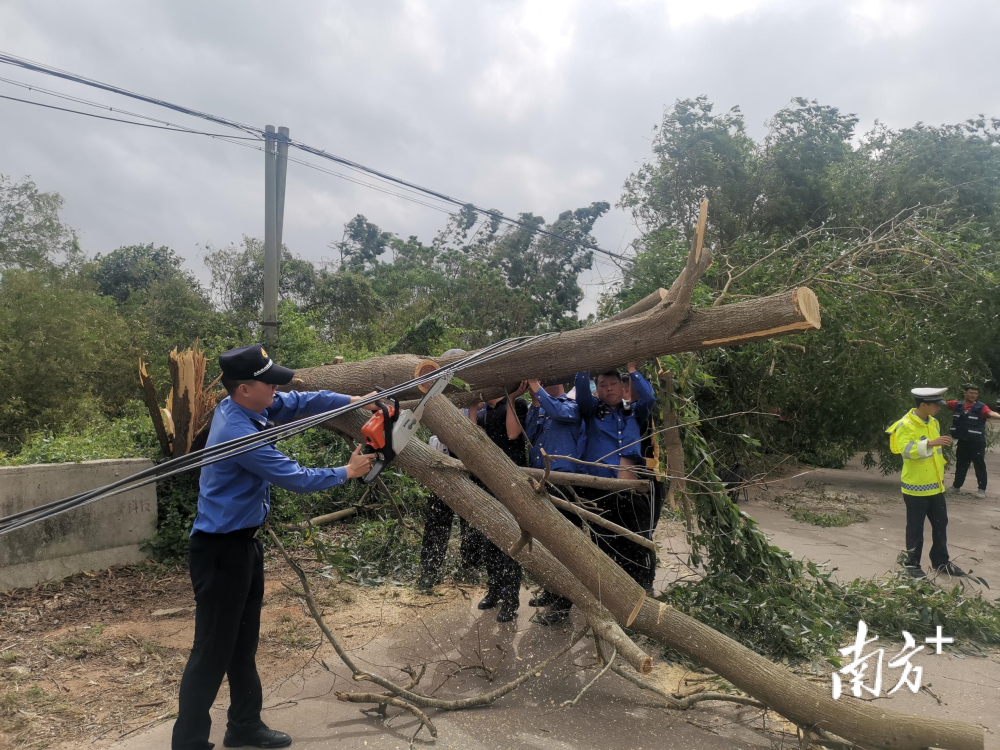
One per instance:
(98,105)
(258,133)
(23,62)
(166,125)
(130,122)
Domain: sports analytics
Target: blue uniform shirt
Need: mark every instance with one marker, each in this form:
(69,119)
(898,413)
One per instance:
(236,493)
(609,430)
(556,426)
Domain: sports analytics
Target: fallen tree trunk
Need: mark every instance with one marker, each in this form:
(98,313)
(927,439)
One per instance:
(793,697)
(482,510)
(605,345)
(612,586)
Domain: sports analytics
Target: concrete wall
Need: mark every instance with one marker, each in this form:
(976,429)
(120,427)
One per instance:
(96,536)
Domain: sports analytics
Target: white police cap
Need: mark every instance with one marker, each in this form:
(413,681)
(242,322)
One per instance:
(931,395)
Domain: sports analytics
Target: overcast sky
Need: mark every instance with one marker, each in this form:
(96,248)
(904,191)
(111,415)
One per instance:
(540,105)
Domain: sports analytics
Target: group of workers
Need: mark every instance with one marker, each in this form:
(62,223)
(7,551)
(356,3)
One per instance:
(594,430)
(597,428)
(600,428)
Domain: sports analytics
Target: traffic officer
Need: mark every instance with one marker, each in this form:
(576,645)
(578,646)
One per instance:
(226,560)
(968,427)
(917,438)
(614,432)
(553,424)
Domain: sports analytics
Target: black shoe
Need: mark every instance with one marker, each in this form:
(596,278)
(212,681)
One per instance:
(543,599)
(915,572)
(262,737)
(508,612)
(426,585)
(951,569)
(489,601)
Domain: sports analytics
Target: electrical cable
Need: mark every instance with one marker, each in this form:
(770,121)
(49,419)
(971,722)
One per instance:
(238,446)
(174,126)
(234,139)
(130,122)
(37,67)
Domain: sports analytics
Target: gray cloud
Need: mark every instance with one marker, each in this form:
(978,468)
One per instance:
(539,105)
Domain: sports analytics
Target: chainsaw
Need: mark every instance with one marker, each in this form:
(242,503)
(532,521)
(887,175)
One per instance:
(389,429)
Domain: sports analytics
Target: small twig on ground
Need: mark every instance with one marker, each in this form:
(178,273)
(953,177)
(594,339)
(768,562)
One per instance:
(388,700)
(614,655)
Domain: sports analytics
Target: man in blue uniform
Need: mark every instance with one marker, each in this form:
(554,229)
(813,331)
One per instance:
(226,560)
(614,440)
(554,424)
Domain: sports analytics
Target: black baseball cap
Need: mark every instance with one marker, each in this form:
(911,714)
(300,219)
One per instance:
(252,363)
(970,387)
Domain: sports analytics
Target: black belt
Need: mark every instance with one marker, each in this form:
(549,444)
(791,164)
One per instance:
(248,533)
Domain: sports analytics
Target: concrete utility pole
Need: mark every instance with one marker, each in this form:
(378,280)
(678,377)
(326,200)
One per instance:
(275,169)
(282,171)
(270,321)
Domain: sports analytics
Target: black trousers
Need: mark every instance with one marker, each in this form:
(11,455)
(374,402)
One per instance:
(933,508)
(437,531)
(562,602)
(227,572)
(970,452)
(503,573)
(635,512)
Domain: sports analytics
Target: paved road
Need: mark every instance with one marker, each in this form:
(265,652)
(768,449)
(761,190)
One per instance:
(612,714)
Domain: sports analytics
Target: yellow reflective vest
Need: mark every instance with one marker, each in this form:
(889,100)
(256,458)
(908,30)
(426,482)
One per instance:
(923,465)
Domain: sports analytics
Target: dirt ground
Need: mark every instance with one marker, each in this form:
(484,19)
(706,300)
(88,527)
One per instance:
(95,661)
(99,657)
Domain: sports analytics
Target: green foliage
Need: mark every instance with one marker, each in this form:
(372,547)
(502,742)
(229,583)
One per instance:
(827,520)
(237,285)
(908,292)
(129,436)
(32,236)
(377,551)
(63,347)
(134,269)
(176,507)
(792,609)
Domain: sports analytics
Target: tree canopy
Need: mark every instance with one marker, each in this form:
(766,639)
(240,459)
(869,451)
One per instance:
(894,229)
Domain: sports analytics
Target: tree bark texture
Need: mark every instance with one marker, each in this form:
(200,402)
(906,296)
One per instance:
(612,586)
(677,488)
(597,347)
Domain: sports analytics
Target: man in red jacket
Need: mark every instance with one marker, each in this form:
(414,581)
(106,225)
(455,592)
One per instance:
(968,427)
